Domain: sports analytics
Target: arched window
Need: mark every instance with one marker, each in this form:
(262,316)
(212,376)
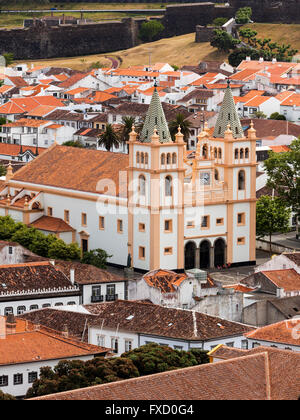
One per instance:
(241,180)
(137,157)
(142,157)
(168,186)
(219,153)
(216,175)
(142,185)
(146,158)
(242,154)
(215,152)
(174,159)
(205,151)
(168,158)
(246,153)
(162,159)
(236,153)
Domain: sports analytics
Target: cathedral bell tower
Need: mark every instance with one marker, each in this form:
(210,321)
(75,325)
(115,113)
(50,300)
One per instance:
(155,194)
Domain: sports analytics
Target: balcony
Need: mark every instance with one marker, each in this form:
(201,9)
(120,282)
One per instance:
(96,298)
(110,298)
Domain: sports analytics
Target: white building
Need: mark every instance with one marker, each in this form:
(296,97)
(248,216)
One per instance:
(26,347)
(136,323)
(206,202)
(29,286)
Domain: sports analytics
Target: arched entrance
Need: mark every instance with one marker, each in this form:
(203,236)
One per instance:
(219,251)
(189,255)
(205,254)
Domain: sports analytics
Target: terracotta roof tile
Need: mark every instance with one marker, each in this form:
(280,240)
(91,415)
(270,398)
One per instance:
(75,168)
(41,344)
(255,376)
(288,279)
(52,224)
(284,332)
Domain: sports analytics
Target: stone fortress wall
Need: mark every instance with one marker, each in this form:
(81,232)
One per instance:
(41,41)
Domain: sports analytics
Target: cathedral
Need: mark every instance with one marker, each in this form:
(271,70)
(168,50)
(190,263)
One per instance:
(160,206)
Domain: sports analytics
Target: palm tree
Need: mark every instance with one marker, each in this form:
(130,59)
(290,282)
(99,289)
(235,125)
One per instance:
(180,120)
(128,122)
(109,138)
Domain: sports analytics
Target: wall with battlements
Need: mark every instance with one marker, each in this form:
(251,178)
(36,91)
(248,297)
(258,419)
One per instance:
(41,41)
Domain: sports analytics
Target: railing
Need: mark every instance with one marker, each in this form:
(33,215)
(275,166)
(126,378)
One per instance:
(40,291)
(110,298)
(97,298)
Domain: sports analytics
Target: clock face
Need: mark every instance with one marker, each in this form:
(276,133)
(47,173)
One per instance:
(205,178)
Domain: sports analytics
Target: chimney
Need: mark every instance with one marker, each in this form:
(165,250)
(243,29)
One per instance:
(274,60)
(52,262)
(248,58)
(72,275)
(11,324)
(65,331)
(2,328)
(261,59)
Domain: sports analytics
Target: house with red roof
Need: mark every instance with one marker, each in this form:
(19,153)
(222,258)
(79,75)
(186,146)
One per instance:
(26,347)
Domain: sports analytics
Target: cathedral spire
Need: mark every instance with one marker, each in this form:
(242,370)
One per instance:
(228,115)
(155,118)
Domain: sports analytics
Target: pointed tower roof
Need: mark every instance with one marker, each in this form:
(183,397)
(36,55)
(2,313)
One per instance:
(155,118)
(228,115)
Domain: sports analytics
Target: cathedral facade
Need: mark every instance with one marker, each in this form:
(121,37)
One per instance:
(160,206)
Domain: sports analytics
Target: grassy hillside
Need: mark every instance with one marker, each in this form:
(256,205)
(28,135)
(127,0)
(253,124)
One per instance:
(281,33)
(179,50)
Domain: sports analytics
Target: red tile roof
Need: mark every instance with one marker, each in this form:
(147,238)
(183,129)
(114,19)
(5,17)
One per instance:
(263,374)
(41,345)
(284,332)
(52,224)
(75,168)
(288,279)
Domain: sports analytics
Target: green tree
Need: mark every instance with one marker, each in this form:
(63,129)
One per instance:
(223,41)
(8,227)
(243,15)
(97,257)
(240,54)
(2,170)
(272,216)
(153,358)
(60,250)
(68,375)
(260,114)
(109,138)
(151,30)
(247,34)
(6,397)
(9,58)
(283,170)
(277,116)
(185,125)
(73,143)
(220,21)
(2,120)
(127,123)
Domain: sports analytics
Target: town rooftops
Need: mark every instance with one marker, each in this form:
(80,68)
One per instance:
(293,256)
(15,149)
(31,276)
(164,280)
(76,169)
(33,343)
(284,332)
(287,279)
(266,128)
(89,274)
(156,320)
(261,374)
